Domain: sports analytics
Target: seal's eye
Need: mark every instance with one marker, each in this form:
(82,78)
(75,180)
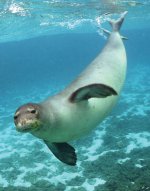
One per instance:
(15,117)
(33,111)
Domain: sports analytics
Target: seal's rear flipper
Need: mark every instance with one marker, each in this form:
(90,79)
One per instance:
(63,151)
(92,91)
(107,32)
(116,24)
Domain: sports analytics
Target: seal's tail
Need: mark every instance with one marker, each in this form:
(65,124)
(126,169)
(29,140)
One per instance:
(116,24)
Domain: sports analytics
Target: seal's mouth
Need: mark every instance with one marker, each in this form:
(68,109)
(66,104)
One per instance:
(28,126)
(24,130)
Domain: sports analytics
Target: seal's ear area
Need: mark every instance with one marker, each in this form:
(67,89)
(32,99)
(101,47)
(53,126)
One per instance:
(63,151)
(92,91)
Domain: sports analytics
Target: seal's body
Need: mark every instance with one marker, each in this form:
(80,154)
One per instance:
(82,105)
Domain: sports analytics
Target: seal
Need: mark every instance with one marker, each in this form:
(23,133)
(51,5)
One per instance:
(82,105)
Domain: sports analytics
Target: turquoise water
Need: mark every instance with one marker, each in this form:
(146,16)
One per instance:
(45,45)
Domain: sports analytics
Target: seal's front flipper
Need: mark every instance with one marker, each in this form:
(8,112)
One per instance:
(92,91)
(63,151)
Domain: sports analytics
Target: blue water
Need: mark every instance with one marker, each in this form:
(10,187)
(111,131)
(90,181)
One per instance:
(113,157)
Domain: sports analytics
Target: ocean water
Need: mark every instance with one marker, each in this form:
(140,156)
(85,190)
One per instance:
(44,45)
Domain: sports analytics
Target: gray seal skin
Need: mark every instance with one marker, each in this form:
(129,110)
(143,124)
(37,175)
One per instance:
(82,105)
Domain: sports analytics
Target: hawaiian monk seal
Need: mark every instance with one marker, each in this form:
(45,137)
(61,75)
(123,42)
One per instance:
(82,105)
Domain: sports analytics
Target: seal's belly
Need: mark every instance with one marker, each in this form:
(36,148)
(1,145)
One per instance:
(81,118)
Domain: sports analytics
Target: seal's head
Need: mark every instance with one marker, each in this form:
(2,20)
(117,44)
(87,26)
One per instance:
(27,118)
